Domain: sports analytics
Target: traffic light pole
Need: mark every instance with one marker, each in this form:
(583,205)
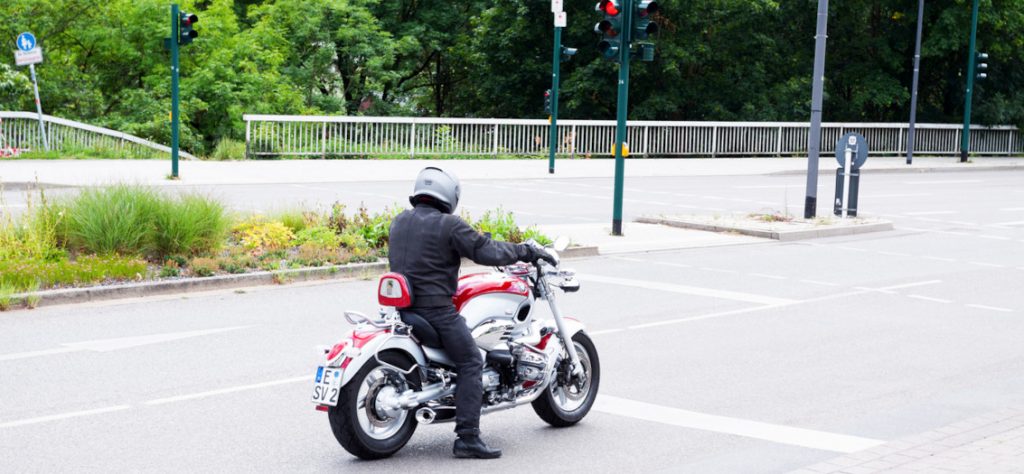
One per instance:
(965,140)
(620,122)
(556,60)
(175,18)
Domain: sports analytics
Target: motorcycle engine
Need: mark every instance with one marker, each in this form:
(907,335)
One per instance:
(529,365)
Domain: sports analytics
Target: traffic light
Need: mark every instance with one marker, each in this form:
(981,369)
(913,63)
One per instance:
(567,54)
(185,32)
(547,102)
(981,66)
(610,29)
(642,24)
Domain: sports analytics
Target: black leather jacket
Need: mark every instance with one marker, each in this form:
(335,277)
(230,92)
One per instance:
(427,245)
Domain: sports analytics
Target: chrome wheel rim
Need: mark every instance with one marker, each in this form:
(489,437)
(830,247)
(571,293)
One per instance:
(376,417)
(572,395)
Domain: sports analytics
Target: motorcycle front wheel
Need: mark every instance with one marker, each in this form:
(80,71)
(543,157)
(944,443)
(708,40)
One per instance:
(361,423)
(568,400)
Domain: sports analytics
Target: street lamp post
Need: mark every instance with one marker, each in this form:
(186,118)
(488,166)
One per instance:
(965,141)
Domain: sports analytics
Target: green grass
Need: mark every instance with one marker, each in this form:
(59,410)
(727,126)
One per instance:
(75,152)
(91,269)
(191,225)
(228,149)
(117,219)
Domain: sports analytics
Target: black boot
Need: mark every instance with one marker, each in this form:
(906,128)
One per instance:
(474,447)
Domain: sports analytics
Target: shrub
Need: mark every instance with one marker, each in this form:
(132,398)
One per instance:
(375,228)
(294,220)
(170,269)
(36,234)
(260,236)
(320,236)
(501,225)
(203,267)
(228,149)
(117,219)
(192,225)
(7,296)
(338,220)
(535,234)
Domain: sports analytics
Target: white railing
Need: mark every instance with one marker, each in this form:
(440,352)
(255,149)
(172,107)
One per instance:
(405,137)
(21,130)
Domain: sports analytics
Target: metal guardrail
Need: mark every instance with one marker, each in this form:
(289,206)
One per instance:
(405,137)
(21,130)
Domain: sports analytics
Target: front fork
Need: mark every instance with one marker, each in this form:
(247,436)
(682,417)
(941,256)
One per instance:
(577,368)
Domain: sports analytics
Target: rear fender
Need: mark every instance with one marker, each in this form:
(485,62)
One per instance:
(361,346)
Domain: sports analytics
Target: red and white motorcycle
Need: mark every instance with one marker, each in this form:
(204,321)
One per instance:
(389,374)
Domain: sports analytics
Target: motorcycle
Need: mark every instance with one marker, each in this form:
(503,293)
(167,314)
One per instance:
(388,375)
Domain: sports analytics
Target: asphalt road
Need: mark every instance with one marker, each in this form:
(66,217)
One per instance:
(748,358)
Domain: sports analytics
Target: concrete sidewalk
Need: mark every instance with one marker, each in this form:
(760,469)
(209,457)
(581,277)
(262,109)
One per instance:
(637,237)
(155,172)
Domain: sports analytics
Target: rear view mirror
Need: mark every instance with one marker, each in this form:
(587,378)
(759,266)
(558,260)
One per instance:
(561,244)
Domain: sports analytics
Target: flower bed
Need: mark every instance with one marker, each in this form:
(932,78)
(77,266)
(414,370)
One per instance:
(127,233)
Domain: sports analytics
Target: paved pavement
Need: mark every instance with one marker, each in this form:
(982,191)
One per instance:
(751,357)
(154,172)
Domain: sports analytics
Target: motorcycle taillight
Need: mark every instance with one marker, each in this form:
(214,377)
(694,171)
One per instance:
(336,350)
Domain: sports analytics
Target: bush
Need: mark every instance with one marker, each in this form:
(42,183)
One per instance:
(190,226)
(374,229)
(117,219)
(36,234)
(203,267)
(295,220)
(228,149)
(501,225)
(260,236)
(319,236)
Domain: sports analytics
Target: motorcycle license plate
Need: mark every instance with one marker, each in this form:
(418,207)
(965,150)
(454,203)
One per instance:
(327,386)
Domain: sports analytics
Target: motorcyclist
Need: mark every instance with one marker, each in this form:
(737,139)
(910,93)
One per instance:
(426,244)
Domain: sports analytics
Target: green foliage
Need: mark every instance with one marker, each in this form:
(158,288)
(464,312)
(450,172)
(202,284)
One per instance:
(261,236)
(294,220)
(84,270)
(191,225)
(116,219)
(374,229)
(228,149)
(501,225)
(319,236)
(203,267)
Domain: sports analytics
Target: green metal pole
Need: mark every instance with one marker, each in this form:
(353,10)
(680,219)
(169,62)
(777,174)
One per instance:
(620,123)
(556,59)
(965,141)
(175,18)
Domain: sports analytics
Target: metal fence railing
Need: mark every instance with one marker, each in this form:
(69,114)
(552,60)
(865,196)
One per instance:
(406,137)
(21,131)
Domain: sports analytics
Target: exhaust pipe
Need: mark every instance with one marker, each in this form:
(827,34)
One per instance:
(425,416)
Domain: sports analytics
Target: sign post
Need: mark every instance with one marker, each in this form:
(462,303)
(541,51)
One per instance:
(556,59)
(173,44)
(851,153)
(30,54)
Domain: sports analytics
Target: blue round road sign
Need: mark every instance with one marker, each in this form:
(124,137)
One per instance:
(858,147)
(25,41)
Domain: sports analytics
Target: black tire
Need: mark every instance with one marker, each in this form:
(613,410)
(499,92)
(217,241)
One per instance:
(345,423)
(547,407)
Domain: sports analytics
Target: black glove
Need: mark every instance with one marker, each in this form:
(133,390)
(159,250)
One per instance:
(533,252)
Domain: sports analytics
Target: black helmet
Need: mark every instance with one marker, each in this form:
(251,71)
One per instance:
(440,185)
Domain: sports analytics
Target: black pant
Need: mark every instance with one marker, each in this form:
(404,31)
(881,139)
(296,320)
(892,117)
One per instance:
(460,346)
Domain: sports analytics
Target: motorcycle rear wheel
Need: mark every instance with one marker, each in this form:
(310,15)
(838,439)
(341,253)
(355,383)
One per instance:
(358,425)
(565,404)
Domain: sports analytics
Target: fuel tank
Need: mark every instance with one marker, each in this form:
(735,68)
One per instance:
(482,297)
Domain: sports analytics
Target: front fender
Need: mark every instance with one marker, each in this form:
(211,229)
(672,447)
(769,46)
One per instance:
(572,326)
(361,346)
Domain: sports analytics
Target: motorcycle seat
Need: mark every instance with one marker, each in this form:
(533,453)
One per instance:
(421,329)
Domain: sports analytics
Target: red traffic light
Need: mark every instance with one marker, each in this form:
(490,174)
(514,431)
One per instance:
(187,19)
(608,7)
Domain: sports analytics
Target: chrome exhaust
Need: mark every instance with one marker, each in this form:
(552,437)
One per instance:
(425,416)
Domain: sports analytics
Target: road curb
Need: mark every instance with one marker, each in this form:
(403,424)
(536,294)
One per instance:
(221,282)
(780,235)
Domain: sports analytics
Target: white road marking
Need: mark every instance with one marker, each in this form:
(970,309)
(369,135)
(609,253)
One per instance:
(62,416)
(30,354)
(951,181)
(105,345)
(894,254)
(688,290)
(994,237)
(605,331)
(1012,209)
(735,426)
(765,275)
(929,298)
(941,259)
(983,264)
(1009,224)
(964,223)
(854,249)
(822,283)
(775,186)
(628,259)
(990,308)
(673,264)
(928,213)
(911,285)
(193,396)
